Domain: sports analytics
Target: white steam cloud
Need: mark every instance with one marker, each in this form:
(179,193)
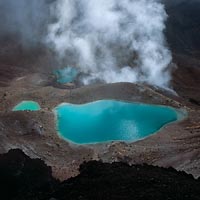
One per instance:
(112,40)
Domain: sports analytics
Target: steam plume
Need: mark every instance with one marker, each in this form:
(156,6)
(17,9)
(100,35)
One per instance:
(112,40)
(24,20)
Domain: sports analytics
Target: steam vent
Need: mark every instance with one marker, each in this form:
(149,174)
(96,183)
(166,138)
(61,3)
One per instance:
(100,99)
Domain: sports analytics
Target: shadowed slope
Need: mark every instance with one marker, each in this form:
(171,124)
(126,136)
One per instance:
(24,178)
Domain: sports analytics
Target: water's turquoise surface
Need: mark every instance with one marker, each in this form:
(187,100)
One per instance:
(109,120)
(27,105)
(66,75)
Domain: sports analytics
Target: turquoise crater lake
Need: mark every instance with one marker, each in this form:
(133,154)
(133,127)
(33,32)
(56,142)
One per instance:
(110,120)
(66,75)
(27,105)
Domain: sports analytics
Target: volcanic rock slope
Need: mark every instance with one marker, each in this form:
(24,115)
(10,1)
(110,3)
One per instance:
(22,178)
(182,32)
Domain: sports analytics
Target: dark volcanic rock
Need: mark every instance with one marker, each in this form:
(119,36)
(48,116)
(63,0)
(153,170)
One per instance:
(121,181)
(7,73)
(182,34)
(25,178)
(183,26)
(186,81)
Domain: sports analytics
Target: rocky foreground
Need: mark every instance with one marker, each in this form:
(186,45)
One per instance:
(23,178)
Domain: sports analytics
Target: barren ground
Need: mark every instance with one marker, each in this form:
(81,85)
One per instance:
(176,145)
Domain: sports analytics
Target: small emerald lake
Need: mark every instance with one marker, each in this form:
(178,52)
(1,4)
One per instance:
(27,105)
(110,120)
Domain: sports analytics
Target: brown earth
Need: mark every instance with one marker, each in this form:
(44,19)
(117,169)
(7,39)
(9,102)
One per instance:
(176,145)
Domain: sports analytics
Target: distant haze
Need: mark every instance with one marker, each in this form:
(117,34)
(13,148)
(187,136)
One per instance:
(24,19)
